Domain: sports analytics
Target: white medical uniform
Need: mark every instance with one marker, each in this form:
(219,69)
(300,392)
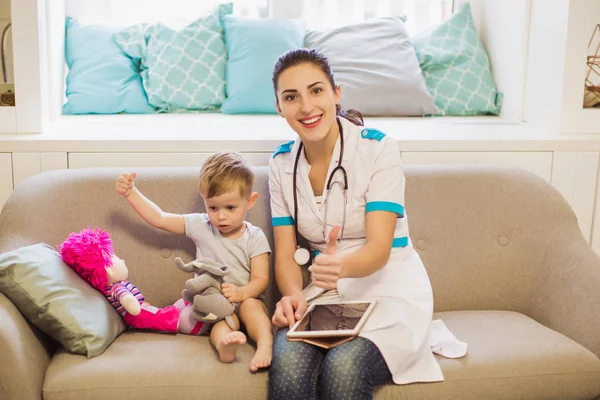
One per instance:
(400,323)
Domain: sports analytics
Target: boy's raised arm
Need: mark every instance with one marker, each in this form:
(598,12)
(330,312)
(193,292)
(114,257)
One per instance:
(150,212)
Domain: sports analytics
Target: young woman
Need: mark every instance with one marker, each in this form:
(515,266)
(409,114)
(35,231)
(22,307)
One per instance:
(341,186)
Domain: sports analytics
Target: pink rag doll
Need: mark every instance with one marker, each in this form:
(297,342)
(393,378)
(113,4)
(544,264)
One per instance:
(90,254)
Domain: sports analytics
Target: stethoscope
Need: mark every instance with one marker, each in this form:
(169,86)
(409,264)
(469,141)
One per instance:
(302,254)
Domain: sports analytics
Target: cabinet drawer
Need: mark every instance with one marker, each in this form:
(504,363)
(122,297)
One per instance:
(133,160)
(540,163)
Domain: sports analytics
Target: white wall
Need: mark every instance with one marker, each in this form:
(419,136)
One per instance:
(4,20)
(507,48)
(558,42)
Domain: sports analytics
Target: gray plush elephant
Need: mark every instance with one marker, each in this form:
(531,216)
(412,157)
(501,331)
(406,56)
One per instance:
(204,290)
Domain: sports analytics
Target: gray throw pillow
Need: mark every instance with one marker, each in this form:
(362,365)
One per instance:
(56,300)
(376,66)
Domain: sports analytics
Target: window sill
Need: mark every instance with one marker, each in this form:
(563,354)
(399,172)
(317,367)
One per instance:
(263,133)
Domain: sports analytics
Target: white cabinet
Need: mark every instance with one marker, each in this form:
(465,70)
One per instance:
(132,160)
(574,174)
(540,163)
(6,177)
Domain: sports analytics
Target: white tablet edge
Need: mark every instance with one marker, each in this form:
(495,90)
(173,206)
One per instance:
(292,333)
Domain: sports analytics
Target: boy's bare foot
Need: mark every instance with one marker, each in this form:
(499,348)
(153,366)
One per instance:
(227,348)
(262,357)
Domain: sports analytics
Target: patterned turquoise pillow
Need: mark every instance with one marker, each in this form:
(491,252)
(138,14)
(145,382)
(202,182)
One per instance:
(456,67)
(182,70)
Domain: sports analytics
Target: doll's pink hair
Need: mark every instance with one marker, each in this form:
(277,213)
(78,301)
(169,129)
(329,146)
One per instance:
(89,252)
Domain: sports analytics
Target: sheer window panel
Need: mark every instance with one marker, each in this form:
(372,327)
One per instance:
(421,14)
(172,12)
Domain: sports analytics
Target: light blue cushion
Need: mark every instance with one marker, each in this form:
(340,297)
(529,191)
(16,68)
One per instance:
(456,67)
(102,79)
(182,70)
(253,46)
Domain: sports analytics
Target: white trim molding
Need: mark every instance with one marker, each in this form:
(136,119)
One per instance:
(29,34)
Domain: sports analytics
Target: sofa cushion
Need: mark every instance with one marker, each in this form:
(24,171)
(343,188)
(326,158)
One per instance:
(509,354)
(253,46)
(154,366)
(102,79)
(53,298)
(457,68)
(182,70)
(376,66)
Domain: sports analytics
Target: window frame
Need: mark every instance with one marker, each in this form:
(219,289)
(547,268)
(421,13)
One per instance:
(38,34)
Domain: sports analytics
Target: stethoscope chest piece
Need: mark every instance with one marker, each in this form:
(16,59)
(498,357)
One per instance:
(301,256)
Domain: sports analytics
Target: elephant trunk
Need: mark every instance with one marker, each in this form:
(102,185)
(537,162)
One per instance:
(189,267)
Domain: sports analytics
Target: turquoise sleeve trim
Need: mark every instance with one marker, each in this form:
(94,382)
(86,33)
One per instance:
(370,133)
(281,221)
(385,206)
(284,148)
(400,242)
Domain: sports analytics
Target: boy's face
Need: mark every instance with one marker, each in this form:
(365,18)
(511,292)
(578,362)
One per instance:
(227,211)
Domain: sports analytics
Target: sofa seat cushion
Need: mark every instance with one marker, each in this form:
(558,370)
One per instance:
(510,356)
(141,365)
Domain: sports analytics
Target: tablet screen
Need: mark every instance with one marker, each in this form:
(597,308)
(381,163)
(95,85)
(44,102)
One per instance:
(333,317)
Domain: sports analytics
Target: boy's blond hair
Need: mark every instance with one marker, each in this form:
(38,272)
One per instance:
(223,172)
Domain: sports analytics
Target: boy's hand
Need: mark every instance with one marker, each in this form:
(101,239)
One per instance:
(232,293)
(125,184)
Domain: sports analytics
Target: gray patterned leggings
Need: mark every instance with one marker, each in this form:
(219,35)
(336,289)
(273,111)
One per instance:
(306,372)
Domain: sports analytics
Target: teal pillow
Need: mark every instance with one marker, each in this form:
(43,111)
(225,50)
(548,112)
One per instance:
(102,79)
(253,46)
(56,300)
(182,70)
(456,67)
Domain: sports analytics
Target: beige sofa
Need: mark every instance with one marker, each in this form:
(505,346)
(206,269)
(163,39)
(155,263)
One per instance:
(512,276)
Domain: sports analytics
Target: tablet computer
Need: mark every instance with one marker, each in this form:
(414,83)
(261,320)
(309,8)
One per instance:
(341,319)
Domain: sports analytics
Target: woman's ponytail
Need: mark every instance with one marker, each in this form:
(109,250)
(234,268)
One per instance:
(351,115)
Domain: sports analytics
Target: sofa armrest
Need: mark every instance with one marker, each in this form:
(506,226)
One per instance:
(566,294)
(25,354)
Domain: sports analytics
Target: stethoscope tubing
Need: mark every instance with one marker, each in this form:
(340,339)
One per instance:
(339,167)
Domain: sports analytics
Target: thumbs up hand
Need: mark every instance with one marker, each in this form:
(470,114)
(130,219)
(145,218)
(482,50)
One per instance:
(327,268)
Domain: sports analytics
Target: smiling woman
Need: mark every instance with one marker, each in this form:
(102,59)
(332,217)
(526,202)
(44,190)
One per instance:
(363,251)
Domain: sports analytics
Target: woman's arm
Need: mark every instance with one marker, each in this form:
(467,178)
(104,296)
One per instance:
(330,266)
(377,249)
(288,274)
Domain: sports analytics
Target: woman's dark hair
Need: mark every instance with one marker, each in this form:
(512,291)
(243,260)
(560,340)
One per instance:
(311,56)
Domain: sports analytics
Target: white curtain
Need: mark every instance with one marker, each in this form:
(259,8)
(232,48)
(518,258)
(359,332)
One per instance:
(316,14)
(420,14)
(127,12)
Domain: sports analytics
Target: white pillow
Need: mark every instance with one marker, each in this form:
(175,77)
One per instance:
(376,66)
